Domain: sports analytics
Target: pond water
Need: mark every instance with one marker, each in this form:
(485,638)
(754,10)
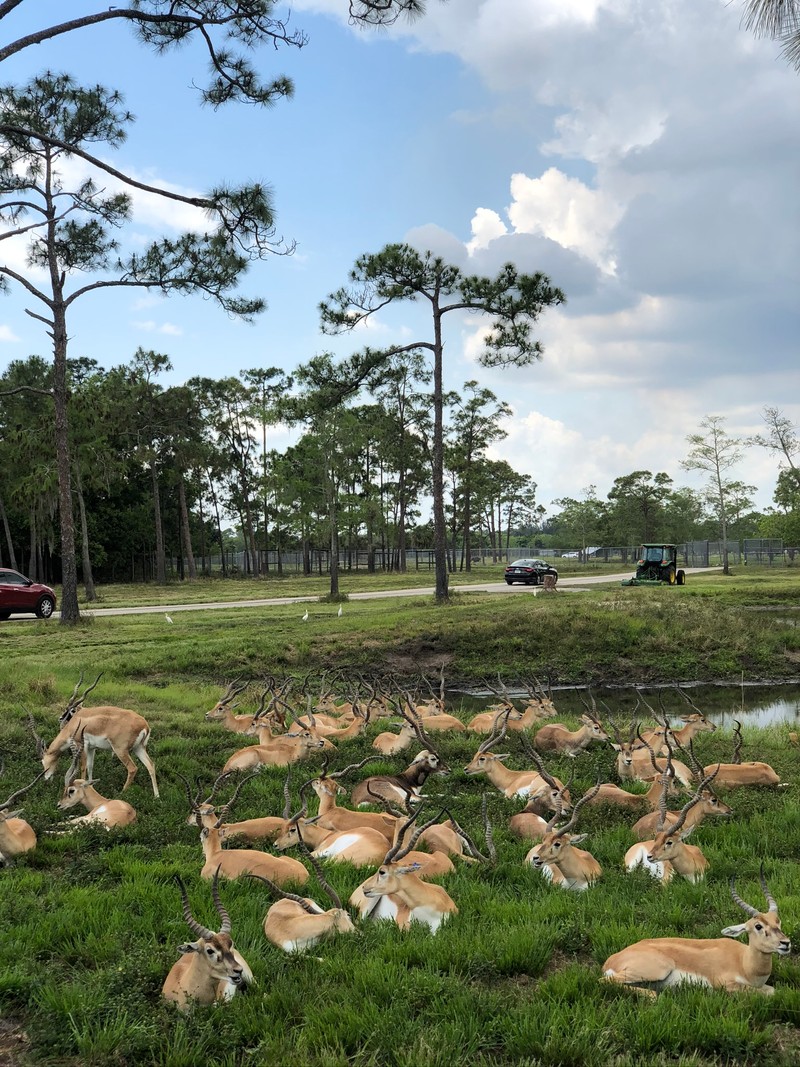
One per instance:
(752,705)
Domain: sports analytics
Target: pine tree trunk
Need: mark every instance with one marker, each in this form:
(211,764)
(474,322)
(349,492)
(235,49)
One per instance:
(9,542)
(86,562)
(439,523)
(70,612)
(161,561)
(186,533)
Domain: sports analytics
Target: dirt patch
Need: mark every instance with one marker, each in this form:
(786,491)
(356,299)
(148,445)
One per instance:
(419,656)
(14,1044)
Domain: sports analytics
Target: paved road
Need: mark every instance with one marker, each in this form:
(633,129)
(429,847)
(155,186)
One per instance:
(571,584)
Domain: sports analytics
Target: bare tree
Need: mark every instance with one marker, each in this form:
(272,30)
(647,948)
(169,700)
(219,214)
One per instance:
(714,453)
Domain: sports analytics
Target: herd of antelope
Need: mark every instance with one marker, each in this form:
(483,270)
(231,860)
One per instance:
(400,852)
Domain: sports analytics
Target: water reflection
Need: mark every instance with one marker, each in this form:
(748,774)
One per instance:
(753,706)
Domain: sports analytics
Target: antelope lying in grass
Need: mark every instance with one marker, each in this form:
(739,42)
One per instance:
(389,744)
(529,783)
(736,774)
(555,737)
(333,817)
(275,751)
(223,710)
(210,969)
(123,731)
(362,846)
(660,962)
(294,923)
(399,788)
(16,835)
(557,857)
(206,813)
(668,852)
(396,891)
(101,810)
(635,762)
(695,722)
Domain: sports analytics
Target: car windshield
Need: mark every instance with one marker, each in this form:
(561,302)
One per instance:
(528,563)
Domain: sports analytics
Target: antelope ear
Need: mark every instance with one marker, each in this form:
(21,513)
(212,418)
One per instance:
(616,747)
(410,869)
(734,931)
(685,833)
(576,840)
(189,946)
(502,755)
(340,789)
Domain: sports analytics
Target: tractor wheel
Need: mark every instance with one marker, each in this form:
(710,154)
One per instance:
(671,576)
(681,577)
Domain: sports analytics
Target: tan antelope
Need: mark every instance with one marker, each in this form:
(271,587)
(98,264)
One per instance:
(389,744)
(295,924)
(251,831)
(101,811)
(695,722)
(668,853)
(635,763)
(709,804)
(16,835)
(125,732)
(661,962)
(510,783)
(210,969)
(612,794)
(235,862)
(736,774)
(223,709)
(330,815)
(559,860)
(555,737)
(361,846)
(278,751)
(397,891)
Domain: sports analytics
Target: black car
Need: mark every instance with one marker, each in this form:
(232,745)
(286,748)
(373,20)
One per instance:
(528,571)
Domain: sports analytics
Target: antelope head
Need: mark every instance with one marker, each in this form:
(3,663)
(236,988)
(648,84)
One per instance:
(215,949)
(763,928)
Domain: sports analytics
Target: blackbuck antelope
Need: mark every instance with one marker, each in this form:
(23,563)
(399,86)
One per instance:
(330,815)
(635,763)
(235,862)
(251,831)
(557,857)
(223,709)
(399,788)
(294,923)
(397,891)
(736,774)
(362,846)
(668,853)
(660,962)
(16,835)
(275,750)
(529,783)
(555,737)
(125,732)
(101,810)
(708,805)
(389,744)
(211,968)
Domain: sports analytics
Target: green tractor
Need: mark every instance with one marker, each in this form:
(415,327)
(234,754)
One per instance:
(657,564)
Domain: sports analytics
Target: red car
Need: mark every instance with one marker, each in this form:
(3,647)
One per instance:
(19,595)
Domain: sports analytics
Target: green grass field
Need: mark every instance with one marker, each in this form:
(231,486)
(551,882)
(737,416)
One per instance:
(92,920)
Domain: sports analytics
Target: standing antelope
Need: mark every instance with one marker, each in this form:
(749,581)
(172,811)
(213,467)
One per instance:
(100,809)
(557,857)
(660,962)
(16,835)
(123,731)
(210,969)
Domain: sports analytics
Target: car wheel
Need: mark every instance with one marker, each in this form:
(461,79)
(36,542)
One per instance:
(509,581)
(45,607)
(534,580)
(4,615)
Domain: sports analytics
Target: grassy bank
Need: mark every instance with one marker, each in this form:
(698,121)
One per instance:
(92,920)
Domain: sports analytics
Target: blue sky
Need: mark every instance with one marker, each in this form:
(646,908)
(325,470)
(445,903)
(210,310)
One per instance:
(644,153)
